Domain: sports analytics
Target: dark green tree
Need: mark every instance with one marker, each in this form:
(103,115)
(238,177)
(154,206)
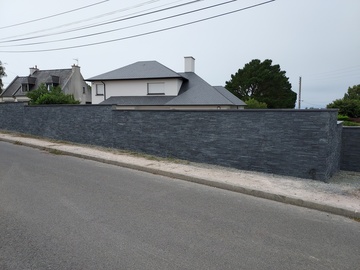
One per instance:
(263,82)
(2,74)
(349,105)
(353,92)
(52,96)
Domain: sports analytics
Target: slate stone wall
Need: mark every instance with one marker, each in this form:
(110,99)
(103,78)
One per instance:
(12,116)
(303,143)
(350,149)
(288,142)
(86,124)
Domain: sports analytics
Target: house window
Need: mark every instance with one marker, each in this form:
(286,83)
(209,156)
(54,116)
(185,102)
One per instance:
(99,89)
(156,88)
(25,87)
(83,90)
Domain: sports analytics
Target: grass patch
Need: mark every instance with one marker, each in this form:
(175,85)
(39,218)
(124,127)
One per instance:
(18,143)
(356,219)
(55,152)
(351,124)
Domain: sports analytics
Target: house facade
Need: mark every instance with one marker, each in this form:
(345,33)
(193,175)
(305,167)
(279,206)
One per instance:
(69,80)
(151,85)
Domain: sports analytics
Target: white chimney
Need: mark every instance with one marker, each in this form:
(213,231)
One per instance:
(189,64)
(33,70)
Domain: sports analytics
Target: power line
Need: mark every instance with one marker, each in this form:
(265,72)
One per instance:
(143,34)
(127,27)
(345,71)
(54,15)
(81,21)
(105,23)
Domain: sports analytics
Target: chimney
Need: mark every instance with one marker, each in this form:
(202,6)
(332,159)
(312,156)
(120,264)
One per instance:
(33,70)
(189,64)
(75,68)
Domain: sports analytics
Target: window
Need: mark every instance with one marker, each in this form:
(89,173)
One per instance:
(156,88)
(25,87)
(83,90)
(100,89)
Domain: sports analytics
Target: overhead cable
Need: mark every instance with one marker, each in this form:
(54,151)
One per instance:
(122,28)
(83,20)
(54,15)
(142,34)
(105,23)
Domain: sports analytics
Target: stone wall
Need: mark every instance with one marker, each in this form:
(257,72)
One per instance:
(301,143)
(288,142)
(350,149)
(12,116)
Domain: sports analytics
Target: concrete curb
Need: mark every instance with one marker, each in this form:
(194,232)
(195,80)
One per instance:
(239,189)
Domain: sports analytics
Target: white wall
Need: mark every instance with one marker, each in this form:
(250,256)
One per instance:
(133,88)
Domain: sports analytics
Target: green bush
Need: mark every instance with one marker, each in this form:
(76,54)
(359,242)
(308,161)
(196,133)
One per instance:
(52,96)
(351,124)
(342,117)
(348,107)
(254,104)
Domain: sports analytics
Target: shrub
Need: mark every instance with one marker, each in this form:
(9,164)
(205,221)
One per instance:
(254,104)
(342,117)
(351,124)
(52,96)
(348,107)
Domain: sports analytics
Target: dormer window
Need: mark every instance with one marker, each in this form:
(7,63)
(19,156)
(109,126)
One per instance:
(52,81)
(156,88)
(25,87)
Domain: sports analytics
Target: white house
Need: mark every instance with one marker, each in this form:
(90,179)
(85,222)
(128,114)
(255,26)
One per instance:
(151,85)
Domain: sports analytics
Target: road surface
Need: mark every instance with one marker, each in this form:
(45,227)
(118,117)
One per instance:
(60,212)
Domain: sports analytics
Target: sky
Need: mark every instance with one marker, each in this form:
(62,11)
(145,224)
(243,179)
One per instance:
(316,40)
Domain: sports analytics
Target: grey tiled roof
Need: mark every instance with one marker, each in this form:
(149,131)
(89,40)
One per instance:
(138,70)
(194,91)
(60,76)
(230,96)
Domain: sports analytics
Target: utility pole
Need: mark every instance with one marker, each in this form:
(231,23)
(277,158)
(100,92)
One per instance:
(299,102)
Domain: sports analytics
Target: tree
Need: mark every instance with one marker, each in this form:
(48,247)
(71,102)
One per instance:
(254,104)
(263,82)
(2,74)
(353,92)
(349,105)
(52,96)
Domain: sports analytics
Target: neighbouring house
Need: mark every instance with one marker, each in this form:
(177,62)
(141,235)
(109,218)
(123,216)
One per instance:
(70,81)
(151,85)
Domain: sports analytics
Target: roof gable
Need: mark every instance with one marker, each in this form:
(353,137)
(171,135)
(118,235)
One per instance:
(137,71)
(59,76)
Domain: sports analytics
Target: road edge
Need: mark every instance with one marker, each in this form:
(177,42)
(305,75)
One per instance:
(239,189)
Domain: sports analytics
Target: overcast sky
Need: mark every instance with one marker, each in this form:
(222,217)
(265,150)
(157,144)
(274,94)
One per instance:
(316,39)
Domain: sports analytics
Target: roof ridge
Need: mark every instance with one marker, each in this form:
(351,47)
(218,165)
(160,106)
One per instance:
(220,92)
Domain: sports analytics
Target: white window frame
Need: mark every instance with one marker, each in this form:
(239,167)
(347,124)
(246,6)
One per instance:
(156,88)
(100,89)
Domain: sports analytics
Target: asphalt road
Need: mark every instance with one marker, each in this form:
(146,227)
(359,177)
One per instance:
(60,212)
